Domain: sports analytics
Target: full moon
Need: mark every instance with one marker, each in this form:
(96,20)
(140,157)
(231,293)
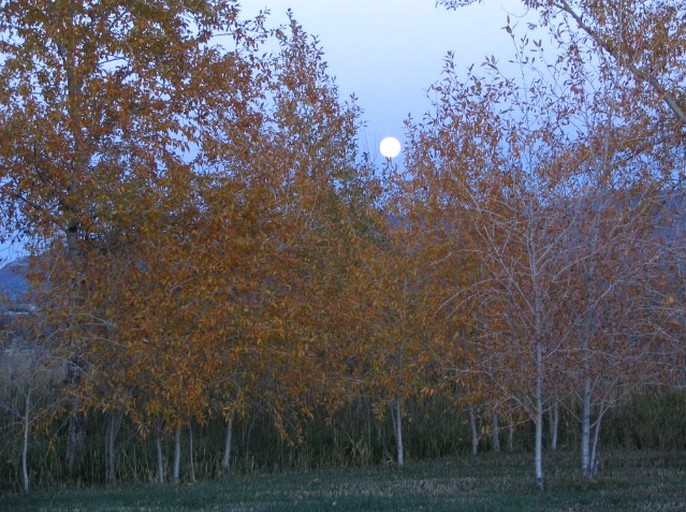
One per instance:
(390,147)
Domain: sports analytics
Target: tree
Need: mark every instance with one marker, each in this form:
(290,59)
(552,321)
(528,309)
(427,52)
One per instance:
(611,252)
(473,169)
(286,218)
(30,371)
(556,179)
(209,280)
(640,47)
(391,331)
(98,98)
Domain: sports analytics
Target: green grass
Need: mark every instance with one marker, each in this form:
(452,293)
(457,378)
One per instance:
(630,481)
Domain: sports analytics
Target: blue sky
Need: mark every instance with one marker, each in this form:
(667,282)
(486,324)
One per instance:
(388,52)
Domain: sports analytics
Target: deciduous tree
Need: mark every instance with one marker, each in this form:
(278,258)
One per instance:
(639,46)
(97,97)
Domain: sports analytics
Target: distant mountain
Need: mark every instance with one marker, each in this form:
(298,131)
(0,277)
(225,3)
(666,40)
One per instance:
(13,282)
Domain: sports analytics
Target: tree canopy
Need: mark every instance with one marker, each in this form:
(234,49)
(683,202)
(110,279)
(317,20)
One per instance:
(210,242)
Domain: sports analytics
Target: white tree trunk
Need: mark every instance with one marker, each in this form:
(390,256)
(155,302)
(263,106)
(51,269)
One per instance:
(25,441)
(538,456)
(594,450)
(474,429)
(554,422)
(586,429)
(495,434)
(510,436)
(177,456)
(587,471)
(396,415)
(228,443)
(191,453)
(160,454)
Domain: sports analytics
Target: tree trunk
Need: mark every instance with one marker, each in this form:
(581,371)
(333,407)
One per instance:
(76,429)
(228,442)
(160,454)
(396,415)
(368,406)
(25,441)
(589,449)
(113,425)
(538,456)
(191,453)
(495,434)
(177,455)
(510,436)
(473,427)
(594,450)
(586,462)
(76,437)
(554,422)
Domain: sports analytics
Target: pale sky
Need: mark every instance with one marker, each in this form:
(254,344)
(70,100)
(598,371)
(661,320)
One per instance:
(388,52)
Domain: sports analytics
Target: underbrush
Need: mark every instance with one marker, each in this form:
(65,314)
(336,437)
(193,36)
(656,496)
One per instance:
(354,437)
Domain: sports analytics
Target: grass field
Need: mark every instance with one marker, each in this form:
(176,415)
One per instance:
(630,481)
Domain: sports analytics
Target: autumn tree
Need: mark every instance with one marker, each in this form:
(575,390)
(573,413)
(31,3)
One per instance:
(624,63)
(612,253)
(214,296)
(391,326)
(100,100)
(531,167)
(639,46)
(667,288)
(295,209)
(500,155)
(30,392)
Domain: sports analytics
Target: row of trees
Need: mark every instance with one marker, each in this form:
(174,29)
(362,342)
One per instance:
(211,238)
(570,184)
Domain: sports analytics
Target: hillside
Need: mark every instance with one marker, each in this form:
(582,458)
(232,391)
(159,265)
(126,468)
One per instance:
(13,282)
